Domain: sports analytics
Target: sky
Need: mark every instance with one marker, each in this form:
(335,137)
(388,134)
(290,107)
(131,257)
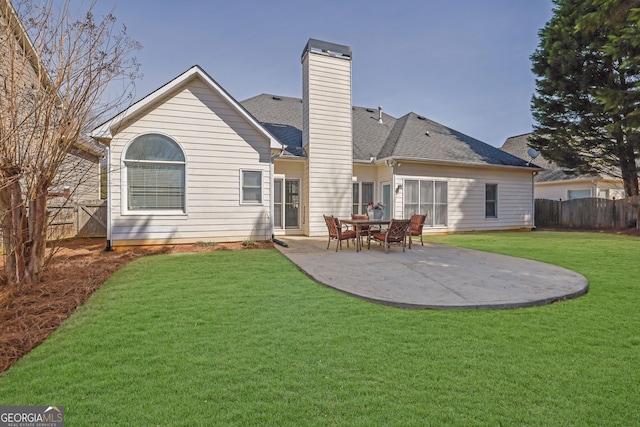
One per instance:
(465,63)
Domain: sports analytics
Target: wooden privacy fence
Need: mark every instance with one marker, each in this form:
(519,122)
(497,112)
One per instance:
(587,213)
(86,219)
(66,220)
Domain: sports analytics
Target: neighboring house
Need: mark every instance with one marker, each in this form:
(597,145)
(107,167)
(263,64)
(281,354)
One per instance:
(78,177)
(554,184)
(21,69)
(189,163)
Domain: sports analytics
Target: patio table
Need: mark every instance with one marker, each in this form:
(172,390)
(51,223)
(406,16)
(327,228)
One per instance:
(358,223)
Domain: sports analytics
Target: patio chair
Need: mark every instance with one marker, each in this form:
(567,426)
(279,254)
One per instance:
(396,234)
(337,233)
(365,229)
(415,228)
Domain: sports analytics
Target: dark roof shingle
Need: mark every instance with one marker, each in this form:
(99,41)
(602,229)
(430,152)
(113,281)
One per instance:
(411,136)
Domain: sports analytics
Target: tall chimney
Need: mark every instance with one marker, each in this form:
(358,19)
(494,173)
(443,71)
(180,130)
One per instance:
(327,133)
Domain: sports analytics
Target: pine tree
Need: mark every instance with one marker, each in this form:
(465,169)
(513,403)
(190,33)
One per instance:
(587,101)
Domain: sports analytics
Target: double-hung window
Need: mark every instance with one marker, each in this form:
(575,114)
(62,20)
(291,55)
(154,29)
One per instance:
(251,187)
(155,173)
(426,197)
(491,201)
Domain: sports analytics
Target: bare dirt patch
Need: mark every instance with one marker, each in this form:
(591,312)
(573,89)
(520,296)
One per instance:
(28,316)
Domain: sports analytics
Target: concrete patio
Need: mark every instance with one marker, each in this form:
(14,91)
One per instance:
(434,276)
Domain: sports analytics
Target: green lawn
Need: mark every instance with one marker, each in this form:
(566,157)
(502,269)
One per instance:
(244,338)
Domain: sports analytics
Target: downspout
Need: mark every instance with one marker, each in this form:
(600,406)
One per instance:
(108,247)
(392,192)
(271,187)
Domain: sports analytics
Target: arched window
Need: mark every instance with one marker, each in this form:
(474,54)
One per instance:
(155,167)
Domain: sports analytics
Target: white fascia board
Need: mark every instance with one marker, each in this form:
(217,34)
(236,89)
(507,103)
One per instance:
(531,167)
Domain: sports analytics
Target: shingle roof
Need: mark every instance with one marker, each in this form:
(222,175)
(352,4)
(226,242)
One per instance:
(369,136)
(420,138)
(410,137)
(282,116)
(518,146)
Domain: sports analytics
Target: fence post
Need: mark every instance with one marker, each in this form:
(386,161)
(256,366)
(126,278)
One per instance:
(560,224)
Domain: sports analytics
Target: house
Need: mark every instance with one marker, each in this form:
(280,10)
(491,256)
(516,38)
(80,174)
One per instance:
(190,163)
(554,183)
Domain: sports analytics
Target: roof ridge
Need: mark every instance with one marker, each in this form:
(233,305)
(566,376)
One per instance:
(394,136)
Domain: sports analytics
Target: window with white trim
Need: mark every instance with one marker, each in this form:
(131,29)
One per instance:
(491,200)
(155,171)
(578,194)
(426,197)
(251,187)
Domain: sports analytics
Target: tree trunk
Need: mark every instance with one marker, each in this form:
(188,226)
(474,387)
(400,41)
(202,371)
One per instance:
(628,166)
(24,232)
(38,221)
(14,223)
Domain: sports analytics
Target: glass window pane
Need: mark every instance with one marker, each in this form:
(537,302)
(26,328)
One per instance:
(426,192)
(440,192)
(490,210)
(154,147)
(440,215)
(251,195)
(367,195)
(440,203)
(155,187)
(579,194)
(491,191)
(411,193)
(355,198)
(277,203)
(292,204)
(252,179)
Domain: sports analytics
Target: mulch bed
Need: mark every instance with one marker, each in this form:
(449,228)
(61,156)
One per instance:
(29,315)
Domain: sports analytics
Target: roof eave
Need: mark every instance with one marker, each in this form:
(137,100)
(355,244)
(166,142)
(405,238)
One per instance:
(531,167)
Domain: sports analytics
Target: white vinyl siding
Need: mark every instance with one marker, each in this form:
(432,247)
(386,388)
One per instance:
(327,137)
(559,190)
(466,195)
(217,142)
(79,174)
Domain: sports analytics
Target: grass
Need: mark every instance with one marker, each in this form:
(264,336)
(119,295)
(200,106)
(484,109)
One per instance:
(244,338)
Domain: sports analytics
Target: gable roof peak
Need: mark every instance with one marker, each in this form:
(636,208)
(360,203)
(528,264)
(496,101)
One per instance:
(105,131)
